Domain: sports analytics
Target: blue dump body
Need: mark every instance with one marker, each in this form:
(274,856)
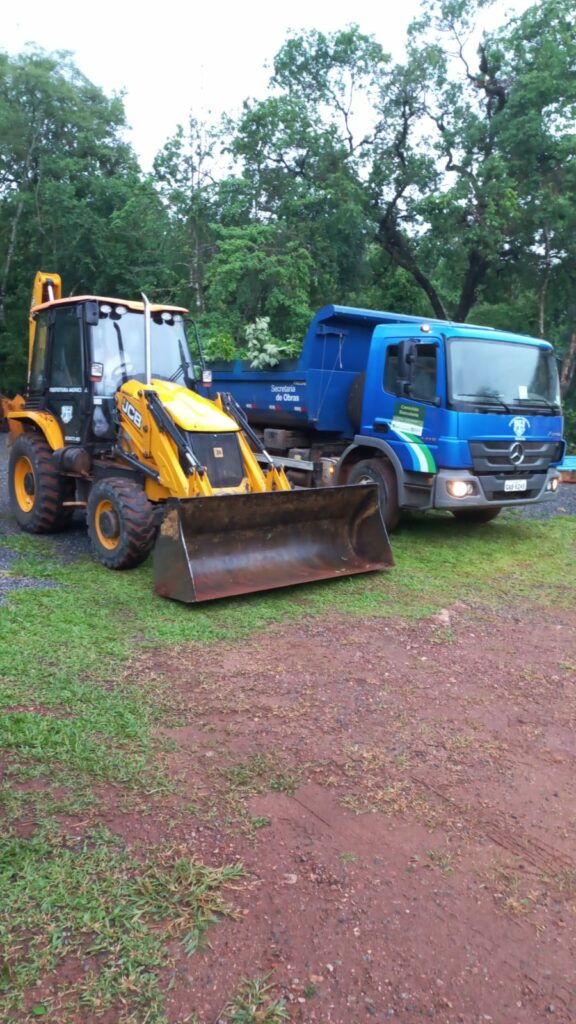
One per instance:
(437,401)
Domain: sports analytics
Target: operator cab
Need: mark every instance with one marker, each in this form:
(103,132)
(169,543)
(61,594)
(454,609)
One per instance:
(84,349)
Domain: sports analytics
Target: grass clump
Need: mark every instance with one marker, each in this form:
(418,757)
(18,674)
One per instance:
(253,1005)
(91,904)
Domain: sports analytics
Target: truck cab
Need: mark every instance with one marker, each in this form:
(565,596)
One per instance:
(440,415)
(474,413)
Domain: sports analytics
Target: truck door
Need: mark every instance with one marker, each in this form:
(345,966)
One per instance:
(411,422)
(66,378)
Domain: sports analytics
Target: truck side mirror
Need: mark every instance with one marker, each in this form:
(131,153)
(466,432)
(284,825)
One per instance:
(406,361)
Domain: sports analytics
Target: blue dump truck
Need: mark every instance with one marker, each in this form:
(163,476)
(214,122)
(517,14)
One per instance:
(439,415)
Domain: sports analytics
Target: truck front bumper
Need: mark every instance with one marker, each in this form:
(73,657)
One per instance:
(488,491)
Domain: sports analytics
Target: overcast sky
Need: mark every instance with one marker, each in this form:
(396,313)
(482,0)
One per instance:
(181,57)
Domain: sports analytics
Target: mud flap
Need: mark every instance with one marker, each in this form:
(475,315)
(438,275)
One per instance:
(239,544)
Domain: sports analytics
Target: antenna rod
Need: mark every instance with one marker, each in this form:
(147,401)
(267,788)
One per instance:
(147,356)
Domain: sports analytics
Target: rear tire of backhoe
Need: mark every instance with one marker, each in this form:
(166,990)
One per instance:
(36,488)
(379,471)
(121,523)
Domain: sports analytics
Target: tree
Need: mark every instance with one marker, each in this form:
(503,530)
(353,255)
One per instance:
(304,155)
(473,166)
(257,272)
(186,177)
(72,197)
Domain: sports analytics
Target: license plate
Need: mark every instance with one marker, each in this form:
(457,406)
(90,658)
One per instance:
(515,485)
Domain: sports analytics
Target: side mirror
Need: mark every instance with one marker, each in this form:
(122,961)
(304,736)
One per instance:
(91,314)
(406,361)
(206,378)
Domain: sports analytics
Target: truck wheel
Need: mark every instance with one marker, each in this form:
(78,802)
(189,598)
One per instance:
(121,523)
(476,515)
(379,471)
(36,488)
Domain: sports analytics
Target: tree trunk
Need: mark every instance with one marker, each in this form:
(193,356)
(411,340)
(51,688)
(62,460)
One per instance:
(545,283)
(394,243)
(14,229)
(8,261)
(475,274)
(568,367)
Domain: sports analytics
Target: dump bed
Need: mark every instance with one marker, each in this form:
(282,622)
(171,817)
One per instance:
(314,390)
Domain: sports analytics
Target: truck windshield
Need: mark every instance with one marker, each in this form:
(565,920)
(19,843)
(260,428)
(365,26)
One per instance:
(489,374)
(118,343)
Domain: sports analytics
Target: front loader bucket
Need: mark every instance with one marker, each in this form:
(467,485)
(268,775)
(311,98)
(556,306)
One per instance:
(236,544)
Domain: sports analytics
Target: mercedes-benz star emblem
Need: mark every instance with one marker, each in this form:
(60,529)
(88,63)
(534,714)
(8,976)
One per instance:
(516,453)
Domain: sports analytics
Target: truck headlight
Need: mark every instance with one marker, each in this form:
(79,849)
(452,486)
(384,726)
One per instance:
(459,488)
(552,484)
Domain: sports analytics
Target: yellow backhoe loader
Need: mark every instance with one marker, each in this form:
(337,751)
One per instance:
(113,422)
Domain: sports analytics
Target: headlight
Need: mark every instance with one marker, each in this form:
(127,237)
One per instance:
(459,488)
(552,485)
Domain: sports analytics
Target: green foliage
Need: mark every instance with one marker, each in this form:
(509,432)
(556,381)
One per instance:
(72,198)
(258,272)
(263,350)
(220,346)
(441,184)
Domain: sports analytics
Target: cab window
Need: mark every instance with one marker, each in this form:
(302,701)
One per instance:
(38,367)
(424,387)
(66,369)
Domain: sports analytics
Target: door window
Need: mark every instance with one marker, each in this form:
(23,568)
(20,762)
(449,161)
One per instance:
(66,371)
(38,368)
(423,387)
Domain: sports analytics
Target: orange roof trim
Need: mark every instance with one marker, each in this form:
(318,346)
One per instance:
(136,306)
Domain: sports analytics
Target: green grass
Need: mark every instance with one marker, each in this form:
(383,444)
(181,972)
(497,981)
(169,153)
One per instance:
(440,561)
(259,774)
(96,614)
(76,712)
(106,915)
(253,1005)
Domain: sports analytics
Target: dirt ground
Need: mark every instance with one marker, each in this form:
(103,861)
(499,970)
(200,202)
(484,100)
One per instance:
(402,799)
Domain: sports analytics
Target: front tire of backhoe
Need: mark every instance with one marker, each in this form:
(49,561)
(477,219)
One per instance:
(379,471)
(121,523)
(36,488)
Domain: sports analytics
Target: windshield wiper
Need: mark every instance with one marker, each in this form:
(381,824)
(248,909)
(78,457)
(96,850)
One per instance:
(553,406)
(486,400)
(183,369)
(123,367)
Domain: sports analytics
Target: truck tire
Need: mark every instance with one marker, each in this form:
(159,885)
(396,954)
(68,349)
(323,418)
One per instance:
(36,488)
(121,523)
(476,515)
(379,471)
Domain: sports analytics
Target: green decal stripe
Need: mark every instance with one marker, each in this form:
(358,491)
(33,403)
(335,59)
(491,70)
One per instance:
(423,458)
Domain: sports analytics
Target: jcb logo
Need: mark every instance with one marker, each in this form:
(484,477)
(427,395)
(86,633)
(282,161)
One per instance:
(132,413)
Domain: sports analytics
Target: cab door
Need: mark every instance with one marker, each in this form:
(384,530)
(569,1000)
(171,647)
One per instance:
(411,423)
(66,392)
(417,417)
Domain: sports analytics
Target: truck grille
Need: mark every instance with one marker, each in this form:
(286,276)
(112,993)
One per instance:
(221,456)
(521,456)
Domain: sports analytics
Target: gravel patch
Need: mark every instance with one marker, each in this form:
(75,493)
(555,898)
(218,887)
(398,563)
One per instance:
(68,546)
(7,556)
(8,584)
